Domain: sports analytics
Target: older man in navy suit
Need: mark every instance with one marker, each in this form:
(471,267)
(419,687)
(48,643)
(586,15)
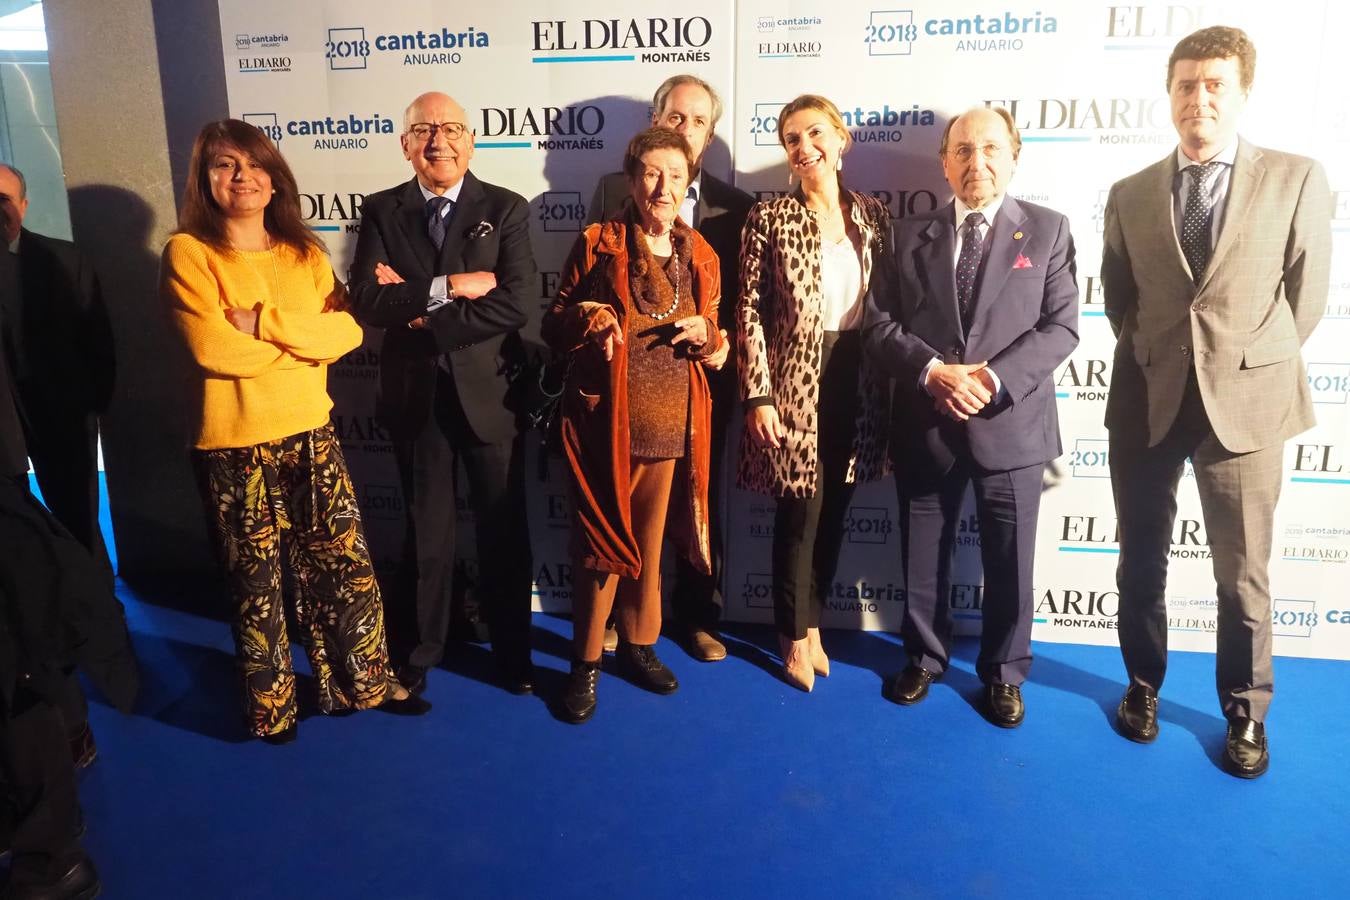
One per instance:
(981,309)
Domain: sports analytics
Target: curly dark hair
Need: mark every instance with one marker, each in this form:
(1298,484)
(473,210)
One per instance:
(201,216)
(1217,42)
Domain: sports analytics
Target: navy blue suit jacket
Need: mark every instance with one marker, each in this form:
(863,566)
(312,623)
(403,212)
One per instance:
(1024,323)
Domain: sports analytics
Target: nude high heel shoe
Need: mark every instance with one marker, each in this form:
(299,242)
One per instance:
(819,661)
(797,670)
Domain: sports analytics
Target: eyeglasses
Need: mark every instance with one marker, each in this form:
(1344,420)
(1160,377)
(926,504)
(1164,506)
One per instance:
(966,152)
(423,131)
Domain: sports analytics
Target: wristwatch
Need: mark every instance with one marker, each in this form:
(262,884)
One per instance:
(450,290)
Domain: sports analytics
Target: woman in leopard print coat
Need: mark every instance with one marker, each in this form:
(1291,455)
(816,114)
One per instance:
(815,409)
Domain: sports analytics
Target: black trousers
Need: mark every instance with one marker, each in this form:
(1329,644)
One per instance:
(39,804)
(495,471)
(807,531)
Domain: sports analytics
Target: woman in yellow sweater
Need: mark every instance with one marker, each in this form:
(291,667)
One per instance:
(252,291)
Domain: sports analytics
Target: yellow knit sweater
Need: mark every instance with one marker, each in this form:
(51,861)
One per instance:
(256,389)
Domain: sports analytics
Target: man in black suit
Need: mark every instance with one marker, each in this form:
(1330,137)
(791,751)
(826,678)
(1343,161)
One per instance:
(689,105)
(57,609)
(443,264)
(983,309)
(62,364)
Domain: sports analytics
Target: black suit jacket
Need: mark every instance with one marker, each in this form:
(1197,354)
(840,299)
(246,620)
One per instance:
(13,451)
(721,215)
(488,231)
(63,349)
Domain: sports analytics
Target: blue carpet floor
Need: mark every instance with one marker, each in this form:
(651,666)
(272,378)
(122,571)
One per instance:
(735,786)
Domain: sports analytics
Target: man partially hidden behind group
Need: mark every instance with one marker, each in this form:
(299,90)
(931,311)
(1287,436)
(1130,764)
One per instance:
(443,264)
(60,348)
(1215,268)
(57,609)
(689,106)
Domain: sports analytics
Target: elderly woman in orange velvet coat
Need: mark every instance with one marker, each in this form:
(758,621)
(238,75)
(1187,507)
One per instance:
(637,311)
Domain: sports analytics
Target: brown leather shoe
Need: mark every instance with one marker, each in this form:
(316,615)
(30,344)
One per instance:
(705,647)
(1003,704)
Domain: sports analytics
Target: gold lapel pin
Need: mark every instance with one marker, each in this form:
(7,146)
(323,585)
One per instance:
(1017,235)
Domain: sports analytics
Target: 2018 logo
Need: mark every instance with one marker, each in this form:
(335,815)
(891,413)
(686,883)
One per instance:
(561,211)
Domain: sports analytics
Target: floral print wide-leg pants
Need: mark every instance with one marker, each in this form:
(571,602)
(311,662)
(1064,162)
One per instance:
(294,496)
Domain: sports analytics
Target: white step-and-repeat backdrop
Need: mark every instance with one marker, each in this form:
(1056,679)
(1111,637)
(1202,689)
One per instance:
(555,89)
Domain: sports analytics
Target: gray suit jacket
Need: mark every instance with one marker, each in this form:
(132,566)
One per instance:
(1242,326)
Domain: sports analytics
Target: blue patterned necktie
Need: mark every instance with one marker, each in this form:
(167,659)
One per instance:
(968,265)
(1197,220)
(436,221)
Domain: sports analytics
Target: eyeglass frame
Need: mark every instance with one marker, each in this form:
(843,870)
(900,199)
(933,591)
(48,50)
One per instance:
(436,127)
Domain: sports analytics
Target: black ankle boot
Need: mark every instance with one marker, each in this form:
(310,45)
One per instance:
(639,664)
(578,702)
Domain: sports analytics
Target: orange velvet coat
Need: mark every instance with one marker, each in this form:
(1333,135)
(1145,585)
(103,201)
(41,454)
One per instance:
(595,404)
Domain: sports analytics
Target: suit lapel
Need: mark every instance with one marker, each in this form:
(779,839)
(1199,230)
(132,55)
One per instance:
(999,258)
(411,218)
(934,263)
(468,212)
(1156,206)
(1244,182)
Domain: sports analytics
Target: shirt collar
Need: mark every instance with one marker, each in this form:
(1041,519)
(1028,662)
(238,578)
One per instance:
(452,195)
(695,188)
(14,244)
(1227,156)
(989,211)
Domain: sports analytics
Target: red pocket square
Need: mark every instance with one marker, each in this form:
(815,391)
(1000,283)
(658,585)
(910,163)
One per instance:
(1022,262)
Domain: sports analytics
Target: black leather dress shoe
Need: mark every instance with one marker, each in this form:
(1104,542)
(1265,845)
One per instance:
(640,665)
(1244,751)
(411,705)
(1137,715)
(578,702)
(414,678)
(284,736)
(516,677)
(80,882)
(911,685)
(1003,704)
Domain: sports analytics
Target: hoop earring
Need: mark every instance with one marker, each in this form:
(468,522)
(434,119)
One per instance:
(839,163)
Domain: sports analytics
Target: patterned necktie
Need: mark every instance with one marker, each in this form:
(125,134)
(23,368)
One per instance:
(968,265)
(436,221)
(1197,220)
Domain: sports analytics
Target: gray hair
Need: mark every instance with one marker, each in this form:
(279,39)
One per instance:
(674,81)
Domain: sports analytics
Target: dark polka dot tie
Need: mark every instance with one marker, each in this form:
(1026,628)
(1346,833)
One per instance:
(968,265)
(1197,220)
(436,219)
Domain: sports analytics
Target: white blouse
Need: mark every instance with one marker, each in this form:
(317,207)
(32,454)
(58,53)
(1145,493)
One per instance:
(841,286)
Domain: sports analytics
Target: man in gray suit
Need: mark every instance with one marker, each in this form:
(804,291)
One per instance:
(1215,269)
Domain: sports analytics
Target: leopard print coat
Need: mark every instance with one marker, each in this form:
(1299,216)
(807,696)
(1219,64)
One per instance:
(780,340)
